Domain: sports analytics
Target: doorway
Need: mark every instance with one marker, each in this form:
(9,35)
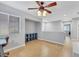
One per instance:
(67,30)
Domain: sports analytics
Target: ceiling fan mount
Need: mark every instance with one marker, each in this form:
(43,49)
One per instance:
(42,2)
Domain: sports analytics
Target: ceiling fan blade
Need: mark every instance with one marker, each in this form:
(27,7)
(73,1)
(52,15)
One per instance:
(39,3)
(32,8)
(51,4)
(47,11)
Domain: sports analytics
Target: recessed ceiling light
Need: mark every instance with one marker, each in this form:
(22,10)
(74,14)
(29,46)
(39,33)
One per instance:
(65,15)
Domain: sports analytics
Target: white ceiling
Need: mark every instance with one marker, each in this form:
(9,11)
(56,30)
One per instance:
(67,8)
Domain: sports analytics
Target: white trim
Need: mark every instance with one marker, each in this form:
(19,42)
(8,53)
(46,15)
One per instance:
(77,30)
(9,14)
(4,13)
(51,41)
(14,48)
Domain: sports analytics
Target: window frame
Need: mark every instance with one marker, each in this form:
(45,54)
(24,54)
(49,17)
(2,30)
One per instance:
(9,19)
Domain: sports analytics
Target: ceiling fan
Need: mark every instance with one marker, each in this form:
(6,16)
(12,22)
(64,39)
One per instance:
(42,7)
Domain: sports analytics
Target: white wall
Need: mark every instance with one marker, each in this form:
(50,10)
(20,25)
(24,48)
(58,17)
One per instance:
(58,37)
(3,24)
(74,29)
(75,21)
(52,31)
(17,39)
(54,26)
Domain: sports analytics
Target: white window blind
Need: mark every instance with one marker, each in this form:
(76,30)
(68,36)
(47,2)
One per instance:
(13,24)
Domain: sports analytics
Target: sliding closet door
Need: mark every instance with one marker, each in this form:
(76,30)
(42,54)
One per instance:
(3,24)
(30,26)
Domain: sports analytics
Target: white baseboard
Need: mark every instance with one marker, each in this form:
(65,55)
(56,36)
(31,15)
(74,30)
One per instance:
(14,48)
(51,41)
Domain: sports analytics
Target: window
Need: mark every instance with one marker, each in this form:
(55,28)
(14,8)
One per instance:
(13,24)
(3,24)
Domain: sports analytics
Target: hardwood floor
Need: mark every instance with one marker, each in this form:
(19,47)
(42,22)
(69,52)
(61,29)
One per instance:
(37,48)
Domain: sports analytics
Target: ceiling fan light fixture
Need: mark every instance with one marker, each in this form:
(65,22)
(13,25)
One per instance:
(65,15)
(44,13)
(39,13)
